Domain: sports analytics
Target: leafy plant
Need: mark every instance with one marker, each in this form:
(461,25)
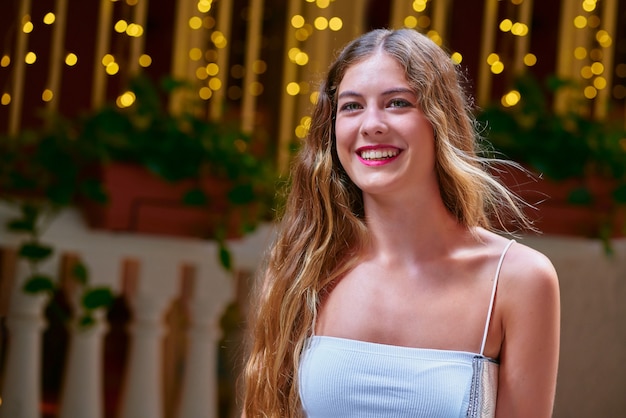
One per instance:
(561,146)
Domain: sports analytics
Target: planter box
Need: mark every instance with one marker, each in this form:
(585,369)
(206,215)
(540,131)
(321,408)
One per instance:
(556,215)
(140,201)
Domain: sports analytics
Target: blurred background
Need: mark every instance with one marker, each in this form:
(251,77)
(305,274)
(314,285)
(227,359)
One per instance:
(142,144)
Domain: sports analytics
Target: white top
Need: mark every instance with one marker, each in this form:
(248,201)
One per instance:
(346,378)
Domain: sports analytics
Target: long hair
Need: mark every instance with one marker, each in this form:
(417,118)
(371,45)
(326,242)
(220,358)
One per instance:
(322,229)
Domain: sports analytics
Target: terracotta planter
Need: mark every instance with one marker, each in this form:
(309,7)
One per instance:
(555,214)
(140,201)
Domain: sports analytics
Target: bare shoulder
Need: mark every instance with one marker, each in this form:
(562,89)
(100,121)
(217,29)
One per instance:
(529,288)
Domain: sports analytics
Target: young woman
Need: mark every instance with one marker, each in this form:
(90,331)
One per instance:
(386,280)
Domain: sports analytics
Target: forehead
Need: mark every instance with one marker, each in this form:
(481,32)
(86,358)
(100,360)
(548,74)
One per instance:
(377,70)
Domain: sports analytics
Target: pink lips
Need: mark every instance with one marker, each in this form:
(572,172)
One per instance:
(377,155)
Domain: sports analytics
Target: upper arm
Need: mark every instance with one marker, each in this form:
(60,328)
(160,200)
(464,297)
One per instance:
(530,348)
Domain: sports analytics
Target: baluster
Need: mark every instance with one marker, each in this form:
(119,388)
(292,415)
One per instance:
(22,378)
(213,290)
(83,390)
(143,390)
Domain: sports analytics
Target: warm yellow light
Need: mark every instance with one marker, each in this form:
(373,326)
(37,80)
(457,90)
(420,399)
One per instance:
(519,29)
(219,40)
(5,61)
(145,60)
(603,38)
(320,23)
(208,22)
(204,6)
(195,54)
(128,98)
(497,67)
(195,22)
(259,67)
(49,18)
(215,84)
(131,2)
(435,37)
(596,54)
(120,26)
(134,30)
(335,24)
(306,121)
(517,2)
(322,4)
(457,58)
(511,98)
(47,95)
(205,93)
(302,58)
(506,25)
(590,92)
(586,72)
(580,53)
(597,68)
(593,21)
(301,131)
(599,83)
(256,88)
(410,22)
(530,59)
(493,58)
(419,5)
(28,27)
(71,59)
(589,6)
(212,69)
(107,59)
(580,22)
(201,73)
(30,58)
(112,68)
(6,99)
(297,21)
(314,97)
(293,89)
(302,34)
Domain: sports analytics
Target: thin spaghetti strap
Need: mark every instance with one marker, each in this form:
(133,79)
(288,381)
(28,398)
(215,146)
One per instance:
(493,296)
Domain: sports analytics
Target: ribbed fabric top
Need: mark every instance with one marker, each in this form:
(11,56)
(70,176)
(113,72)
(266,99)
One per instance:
(349,378)
(343,378)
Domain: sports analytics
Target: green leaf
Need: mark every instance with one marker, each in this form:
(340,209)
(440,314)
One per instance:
(21,225)
(580,196)
(38,283)
(619,194)
(35,251)
(80,273)
(195,197)
(86,321)
(225,257)
(98,297)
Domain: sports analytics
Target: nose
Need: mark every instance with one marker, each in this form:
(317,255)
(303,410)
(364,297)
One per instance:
(374,123)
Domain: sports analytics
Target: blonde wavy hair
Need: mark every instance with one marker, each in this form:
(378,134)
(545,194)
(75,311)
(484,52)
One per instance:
(322,228)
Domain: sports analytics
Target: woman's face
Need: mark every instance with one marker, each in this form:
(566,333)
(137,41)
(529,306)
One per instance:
(384,141)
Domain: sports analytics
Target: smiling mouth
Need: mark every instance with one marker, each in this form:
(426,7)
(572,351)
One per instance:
(379,154)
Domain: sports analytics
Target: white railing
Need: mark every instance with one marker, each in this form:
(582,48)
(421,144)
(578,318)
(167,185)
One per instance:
(160,262)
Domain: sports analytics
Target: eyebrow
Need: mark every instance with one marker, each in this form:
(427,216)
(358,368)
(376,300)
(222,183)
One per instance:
(395,90)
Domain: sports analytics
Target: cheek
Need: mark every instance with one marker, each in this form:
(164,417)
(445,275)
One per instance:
(344,142)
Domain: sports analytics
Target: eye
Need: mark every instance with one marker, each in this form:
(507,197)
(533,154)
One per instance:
(399,103)
(350,106)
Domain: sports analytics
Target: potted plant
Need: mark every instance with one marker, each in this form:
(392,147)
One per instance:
(579,164)
(121,166)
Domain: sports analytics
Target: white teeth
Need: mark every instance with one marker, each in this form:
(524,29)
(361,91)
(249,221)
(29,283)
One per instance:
(379,154)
